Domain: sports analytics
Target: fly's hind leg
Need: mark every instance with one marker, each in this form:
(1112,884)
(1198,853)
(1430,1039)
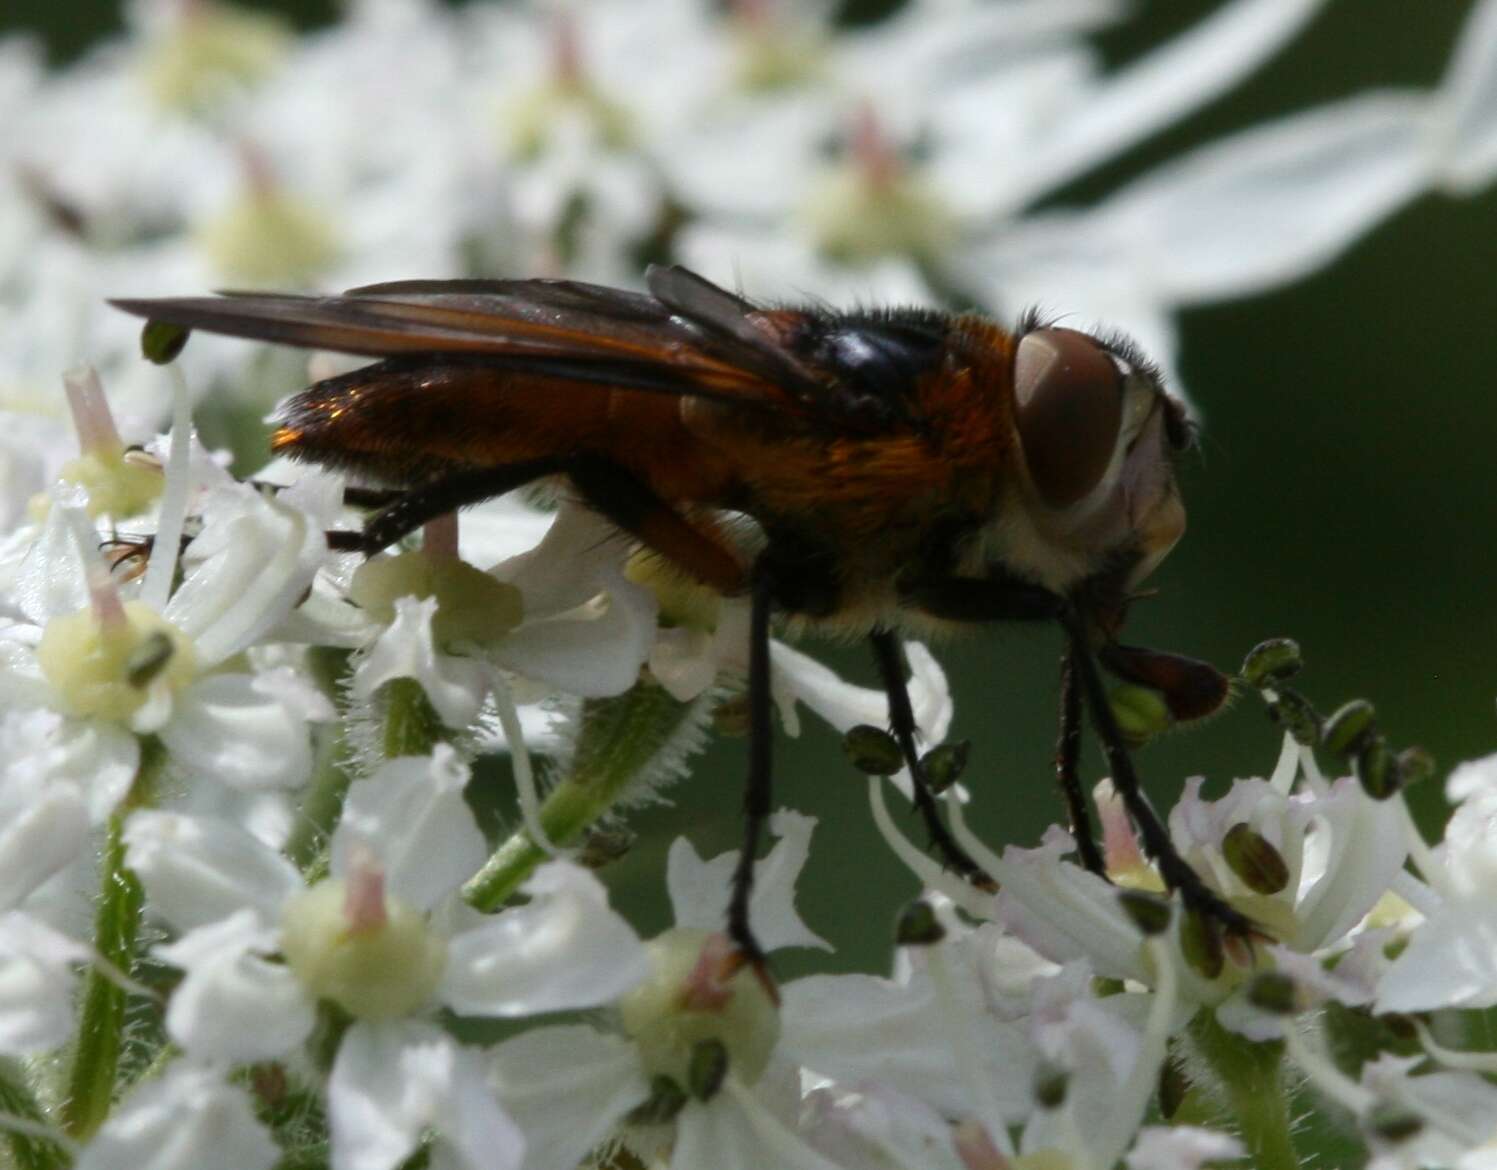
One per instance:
(415,506)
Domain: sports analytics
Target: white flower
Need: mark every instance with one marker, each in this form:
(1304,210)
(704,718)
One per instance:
(700,999)
(186,1119)
(383,938)
(1451,958)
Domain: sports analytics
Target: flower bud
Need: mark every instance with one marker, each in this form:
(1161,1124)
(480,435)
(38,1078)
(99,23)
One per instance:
(918,926)
(1201,944)
(872,750)
(1349,728)
(1393,1123)
(1149,912)
(1414,766)
(1141,713)
(666,1099)
(1293,712)
(162,341)
(706,1069)
(1272,661)
(1050,1085)
(1377,769)
(1275,992)
(944,765)
(1254,860)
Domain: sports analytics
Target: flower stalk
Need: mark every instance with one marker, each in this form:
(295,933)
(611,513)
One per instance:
(620,738)
(1252,1078)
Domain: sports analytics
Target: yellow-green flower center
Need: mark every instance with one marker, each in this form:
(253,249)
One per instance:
(268,237)
(107,670)
(857,217)
(531,120)
(117,485)
(472,606)
(211,51)
(692,999)
(374,972)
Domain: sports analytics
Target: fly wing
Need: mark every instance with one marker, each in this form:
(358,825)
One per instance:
(683,340)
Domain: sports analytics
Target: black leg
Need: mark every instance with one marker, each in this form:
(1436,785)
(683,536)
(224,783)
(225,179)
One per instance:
(1173,868)
(758,792)
(902,722)
(416,506)
(1067,757)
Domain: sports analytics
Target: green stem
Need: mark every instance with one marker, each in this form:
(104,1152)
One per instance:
(101,1018)
(412,725)
(620,738)
(1257,1092)
(324,801)
(101,1024)
(28,1151)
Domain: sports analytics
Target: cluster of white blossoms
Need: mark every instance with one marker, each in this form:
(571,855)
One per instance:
(249,918)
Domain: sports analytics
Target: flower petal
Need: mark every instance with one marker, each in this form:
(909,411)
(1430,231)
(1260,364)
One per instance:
(700,890)
(197,870)
(563,949)
(405,649)
(1468,105)
(226,727)
(233,1005)
(390,1082)
(411,814)
(37,977)
(184,1120)
(1296,192)
(567,1087)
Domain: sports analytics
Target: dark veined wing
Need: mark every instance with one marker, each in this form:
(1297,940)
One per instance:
(688,338)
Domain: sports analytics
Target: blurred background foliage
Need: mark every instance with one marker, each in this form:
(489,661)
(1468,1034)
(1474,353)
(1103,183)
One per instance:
(1344,495)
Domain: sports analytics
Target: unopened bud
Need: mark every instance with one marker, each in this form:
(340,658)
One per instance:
(1253,858)
(1292,711)
(1414,766)
(918,926)
(706,1069)
(731,717)
(1275,992)
(1149,912)
(1141,713)
(1393,1123)
(872,750)
(1201,944)
(161,341)
(1050,1085)
(1377,769)
(1349,728)
(1271,662)
(943,765)
(147,660)
(1173,1085)
(666,1099)
(604,846)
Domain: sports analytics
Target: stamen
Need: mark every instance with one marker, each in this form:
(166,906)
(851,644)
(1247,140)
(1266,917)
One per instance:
(1133,1096)
(925,869)
(103,596)
(156,590)
(1287,768)
(528,793)
(1322,1072)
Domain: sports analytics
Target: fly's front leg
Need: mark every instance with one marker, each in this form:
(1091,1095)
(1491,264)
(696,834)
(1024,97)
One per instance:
(1173,868)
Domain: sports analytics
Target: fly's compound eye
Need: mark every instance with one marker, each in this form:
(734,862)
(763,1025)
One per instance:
(1068,395)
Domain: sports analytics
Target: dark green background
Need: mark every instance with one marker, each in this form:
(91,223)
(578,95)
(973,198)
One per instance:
(1344,495)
